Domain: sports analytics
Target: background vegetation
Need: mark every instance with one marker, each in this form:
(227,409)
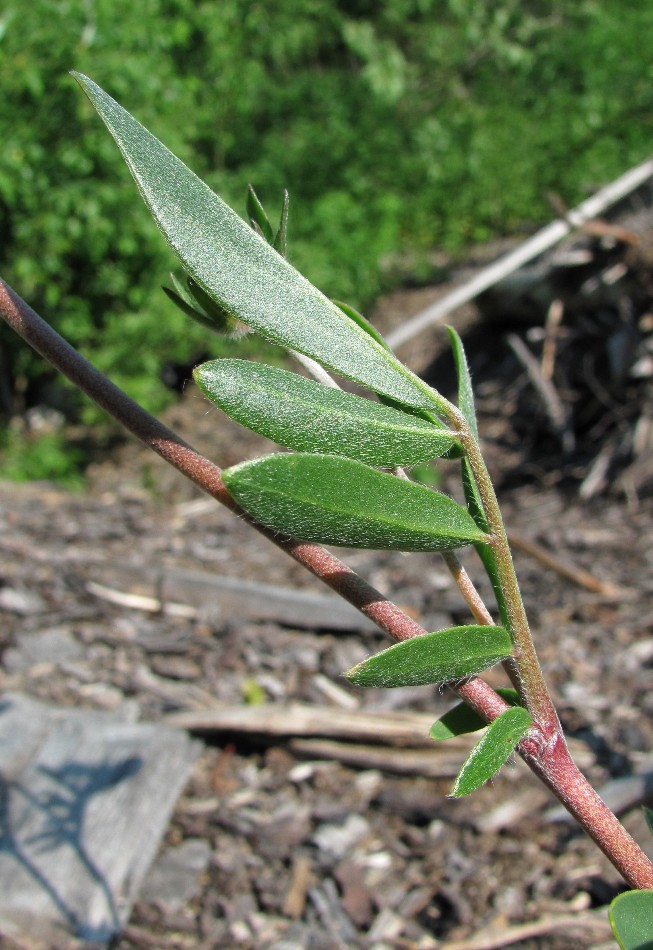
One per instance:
(397,127)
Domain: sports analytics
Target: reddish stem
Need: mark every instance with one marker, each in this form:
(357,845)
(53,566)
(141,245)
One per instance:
(549,760)
(556,768)
(207,476)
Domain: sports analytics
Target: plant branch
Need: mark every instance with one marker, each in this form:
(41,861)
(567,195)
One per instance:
(207,476)
(531,684)
(550,761)
(466,586)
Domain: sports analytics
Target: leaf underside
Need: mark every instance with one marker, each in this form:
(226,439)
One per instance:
(333,500)
(492,750)
(304,415)
(462,719)
(441,657)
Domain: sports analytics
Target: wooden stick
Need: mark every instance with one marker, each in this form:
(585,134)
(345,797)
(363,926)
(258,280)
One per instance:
(555,409)
(577,575)
(591,921)
(551,326)
(540,242)
(284,720)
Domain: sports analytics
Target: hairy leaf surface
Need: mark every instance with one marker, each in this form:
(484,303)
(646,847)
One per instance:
(465,390)
(441,657)
(493,750)
(334,500)
(242,272)
(301,414)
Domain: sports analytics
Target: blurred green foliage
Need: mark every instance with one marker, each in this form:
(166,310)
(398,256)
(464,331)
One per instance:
(41,457)
(396,127)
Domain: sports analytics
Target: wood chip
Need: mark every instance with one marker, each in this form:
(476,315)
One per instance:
(295,900)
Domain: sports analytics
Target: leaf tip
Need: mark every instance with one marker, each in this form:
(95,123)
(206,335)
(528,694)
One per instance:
(353,674)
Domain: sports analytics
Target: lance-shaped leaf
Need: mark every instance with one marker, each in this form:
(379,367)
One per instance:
(465,391)
(334,500)
(440,657)
(301,414)
(257,216)
(493,750)
(631,918)
(196,303)
(362,322)
(462,719)
(280,242)
(242,272)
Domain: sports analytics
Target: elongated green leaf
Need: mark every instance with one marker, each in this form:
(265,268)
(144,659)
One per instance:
(187,307)
(362,322)
(301,414)
(631,917)
(337,501)
(240,270)
(472,495)
(465,391)
(280,242)
(493,750)
(648,815)
(440,657)
(257,216)
(461,718)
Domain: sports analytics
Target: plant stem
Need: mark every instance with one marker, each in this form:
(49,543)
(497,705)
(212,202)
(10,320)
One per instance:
(545,751)
(556,768)
(207,476)
(549,760)
(531,684)
(466,586)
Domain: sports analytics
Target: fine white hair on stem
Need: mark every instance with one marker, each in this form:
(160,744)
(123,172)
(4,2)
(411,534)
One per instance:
(317,372)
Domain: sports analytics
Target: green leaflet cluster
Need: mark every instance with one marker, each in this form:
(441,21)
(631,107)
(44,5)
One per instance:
(331,487)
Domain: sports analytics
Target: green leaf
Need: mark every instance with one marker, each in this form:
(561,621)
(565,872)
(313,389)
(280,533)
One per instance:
(493,750)
(465,391)
(631,917)
(243,273)
(334,500)
(305,415)
(440,657)
(648,814)
(196,303)
(462,719)
(472,495)
(187,307)
(280,242)
(362,322)
(257,216)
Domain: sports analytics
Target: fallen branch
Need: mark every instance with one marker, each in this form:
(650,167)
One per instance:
(540,242)
(594,922)
(577,575)
(361,738)
(286,720)
(558,414)
(444,764)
